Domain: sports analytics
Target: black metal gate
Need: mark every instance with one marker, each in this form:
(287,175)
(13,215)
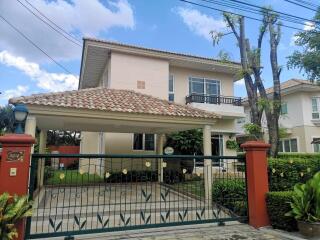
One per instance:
(90,193)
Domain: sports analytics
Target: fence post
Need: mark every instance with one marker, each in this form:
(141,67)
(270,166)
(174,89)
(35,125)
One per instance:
(257,182)
(14,167)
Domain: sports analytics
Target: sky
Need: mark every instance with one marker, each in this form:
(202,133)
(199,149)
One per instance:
(162,24)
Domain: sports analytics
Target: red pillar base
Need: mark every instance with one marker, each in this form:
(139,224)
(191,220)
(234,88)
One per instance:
(14,168)
(257,182)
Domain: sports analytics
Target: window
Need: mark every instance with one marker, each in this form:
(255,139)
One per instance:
(204,86)
(316,146)
(171,88)
(315,107)
(284,109)
(137,141)
(288,145)
(149,142)
(143,142)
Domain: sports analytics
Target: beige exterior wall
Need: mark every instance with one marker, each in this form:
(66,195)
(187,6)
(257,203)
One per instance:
(127,70)
(181,80)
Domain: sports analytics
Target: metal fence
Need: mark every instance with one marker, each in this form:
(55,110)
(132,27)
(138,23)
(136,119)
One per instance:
(99,193)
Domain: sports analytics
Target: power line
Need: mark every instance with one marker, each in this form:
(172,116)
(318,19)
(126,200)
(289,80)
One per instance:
(59,32)
(220,10)
(274,11)
(34,44)
(301,5)
(256,10)
(42,14)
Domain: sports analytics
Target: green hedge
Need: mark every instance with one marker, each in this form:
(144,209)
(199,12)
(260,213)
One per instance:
(231,194)
(285,173)
(299,155)
(278,205)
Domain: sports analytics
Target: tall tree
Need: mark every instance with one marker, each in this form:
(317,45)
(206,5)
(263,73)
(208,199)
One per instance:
(308,58)
(252,70)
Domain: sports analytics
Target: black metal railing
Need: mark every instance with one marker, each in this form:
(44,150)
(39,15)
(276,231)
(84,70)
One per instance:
(202,98)
(98,193)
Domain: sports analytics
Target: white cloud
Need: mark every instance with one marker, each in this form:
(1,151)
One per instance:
(10,93)
(199,23)
(308,26)
(240,82)
(47,81)
(79,17)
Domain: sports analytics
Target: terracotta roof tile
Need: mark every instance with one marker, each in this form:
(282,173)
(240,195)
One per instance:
(290,83)
(113,100)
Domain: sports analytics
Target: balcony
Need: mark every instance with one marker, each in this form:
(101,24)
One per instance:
(201,98)
(228,107)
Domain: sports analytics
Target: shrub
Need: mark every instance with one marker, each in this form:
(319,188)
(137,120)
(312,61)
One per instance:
(278,205)
(299,155)
(231,194)
(285,173)
(305,202)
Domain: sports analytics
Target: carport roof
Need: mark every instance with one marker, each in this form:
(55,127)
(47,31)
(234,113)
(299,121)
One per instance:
(113,100)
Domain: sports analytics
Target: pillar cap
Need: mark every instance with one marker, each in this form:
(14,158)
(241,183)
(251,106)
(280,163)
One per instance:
(17,138)
(255,145)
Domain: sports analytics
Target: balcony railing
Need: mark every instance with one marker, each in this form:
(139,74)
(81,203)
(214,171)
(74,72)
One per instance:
(201,98)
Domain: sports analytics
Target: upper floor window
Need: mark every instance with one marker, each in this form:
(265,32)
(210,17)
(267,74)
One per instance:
(171,88)
(204,86)
(143,141)
(284,108)
(288,145)
(315,107)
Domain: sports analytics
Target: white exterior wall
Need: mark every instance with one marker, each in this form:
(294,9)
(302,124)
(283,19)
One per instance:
(126,70)
(123,71)
(298,121)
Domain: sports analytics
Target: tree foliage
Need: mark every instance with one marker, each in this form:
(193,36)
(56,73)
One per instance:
(186,142)
(58,138)
(308,58)
(6,119)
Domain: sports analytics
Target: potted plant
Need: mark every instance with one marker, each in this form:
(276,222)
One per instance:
(305,206)
(12,210)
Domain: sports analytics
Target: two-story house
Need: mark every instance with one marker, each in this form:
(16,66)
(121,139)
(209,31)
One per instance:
(200,82)
(300,116)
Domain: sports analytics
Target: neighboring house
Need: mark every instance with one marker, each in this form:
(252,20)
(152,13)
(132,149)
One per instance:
(300,116)
(200,82)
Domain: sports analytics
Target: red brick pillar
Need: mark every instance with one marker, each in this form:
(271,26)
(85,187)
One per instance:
(257,182)
(14,167)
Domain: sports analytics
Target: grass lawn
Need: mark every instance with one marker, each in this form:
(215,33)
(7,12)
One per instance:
(192,187)
(73,177)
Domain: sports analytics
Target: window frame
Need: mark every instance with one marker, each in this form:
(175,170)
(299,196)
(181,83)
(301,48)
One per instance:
(281,111)
(282,142)
(204,79)
(315,137)
(317,111)
(173,87)
(144,142)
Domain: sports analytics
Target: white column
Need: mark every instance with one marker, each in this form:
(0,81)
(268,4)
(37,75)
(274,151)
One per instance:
(159,150)
(30,127)
(41,162)
(207,151)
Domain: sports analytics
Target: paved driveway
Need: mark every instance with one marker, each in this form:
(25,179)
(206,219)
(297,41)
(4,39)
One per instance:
(232,231)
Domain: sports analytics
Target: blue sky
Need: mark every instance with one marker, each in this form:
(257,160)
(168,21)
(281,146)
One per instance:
(163,24)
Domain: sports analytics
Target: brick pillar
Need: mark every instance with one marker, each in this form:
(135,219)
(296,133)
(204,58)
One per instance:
(14,167)
(257,182)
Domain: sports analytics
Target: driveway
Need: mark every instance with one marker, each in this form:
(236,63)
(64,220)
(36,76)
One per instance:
(232,231)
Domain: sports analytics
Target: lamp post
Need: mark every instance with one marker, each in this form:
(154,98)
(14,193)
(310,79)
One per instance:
(20,115)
